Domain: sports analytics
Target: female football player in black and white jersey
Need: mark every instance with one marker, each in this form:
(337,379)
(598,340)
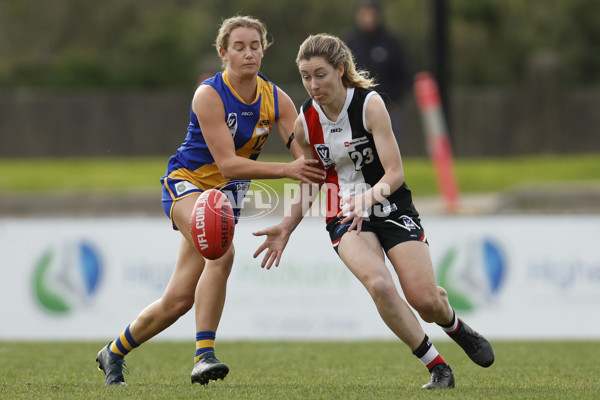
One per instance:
(370,213)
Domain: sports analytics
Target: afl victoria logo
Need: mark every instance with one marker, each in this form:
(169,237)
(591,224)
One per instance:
(232,123)
(324,154)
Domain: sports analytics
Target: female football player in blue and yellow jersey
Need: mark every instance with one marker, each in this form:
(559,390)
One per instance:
(231,116)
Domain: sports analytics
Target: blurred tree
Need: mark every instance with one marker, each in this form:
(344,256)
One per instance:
(581,41)
(115,43)
(169,43)
(492,40)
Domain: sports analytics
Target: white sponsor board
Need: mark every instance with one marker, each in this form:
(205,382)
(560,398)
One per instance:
(510,277)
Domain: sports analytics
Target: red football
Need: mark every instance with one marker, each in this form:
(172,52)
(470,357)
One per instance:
(212,224)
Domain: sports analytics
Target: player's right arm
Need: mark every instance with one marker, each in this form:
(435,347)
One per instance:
(208,107)
(278,235)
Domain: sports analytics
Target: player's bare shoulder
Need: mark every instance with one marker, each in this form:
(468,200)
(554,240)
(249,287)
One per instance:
(299,132)
(204,93)
(376,114)
(207,101)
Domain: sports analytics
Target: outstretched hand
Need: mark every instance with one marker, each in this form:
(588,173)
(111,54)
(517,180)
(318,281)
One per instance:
(275,243)
(306,170)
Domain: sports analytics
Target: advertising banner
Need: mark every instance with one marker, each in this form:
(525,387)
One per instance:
(510,277)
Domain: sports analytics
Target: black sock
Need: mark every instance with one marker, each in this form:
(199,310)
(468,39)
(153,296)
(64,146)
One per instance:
(428,354)
(453,326)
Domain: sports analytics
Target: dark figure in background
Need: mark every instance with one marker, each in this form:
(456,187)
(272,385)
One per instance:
(380,52)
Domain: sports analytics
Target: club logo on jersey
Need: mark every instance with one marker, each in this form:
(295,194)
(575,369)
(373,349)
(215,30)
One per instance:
(232,123)
(324,154)
(408,223)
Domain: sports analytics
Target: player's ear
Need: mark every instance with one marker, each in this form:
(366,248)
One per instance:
(340,70)
(223,54)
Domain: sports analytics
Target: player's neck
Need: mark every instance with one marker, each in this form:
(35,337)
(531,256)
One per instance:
(244,87)
(333,110)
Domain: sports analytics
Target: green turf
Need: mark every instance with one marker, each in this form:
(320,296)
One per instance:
(133,174)
(301,370)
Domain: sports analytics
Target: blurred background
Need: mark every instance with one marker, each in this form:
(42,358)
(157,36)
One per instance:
(115,78)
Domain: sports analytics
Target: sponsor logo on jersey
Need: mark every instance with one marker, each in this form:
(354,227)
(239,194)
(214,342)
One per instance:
(263,127)
(247,114)
(356,142)
(335,130)
(261,131)
(389,208)
(241,186)
(324,154)
(184,186)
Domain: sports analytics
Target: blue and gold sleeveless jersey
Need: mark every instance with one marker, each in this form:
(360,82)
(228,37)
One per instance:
(193,167)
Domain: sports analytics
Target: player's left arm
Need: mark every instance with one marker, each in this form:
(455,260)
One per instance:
(277,236)
(285,123)
(378,122)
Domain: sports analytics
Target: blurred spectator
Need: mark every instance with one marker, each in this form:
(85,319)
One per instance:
(382,53)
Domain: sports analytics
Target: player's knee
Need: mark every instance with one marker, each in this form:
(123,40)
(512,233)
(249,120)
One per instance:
(176,306)
(222,266)
(428,305)
(227,267)
(380,288)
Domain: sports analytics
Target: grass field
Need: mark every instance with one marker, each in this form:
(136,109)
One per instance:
(131,174)
(302,370)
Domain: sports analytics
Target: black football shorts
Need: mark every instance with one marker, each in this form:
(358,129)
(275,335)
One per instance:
(395,229)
